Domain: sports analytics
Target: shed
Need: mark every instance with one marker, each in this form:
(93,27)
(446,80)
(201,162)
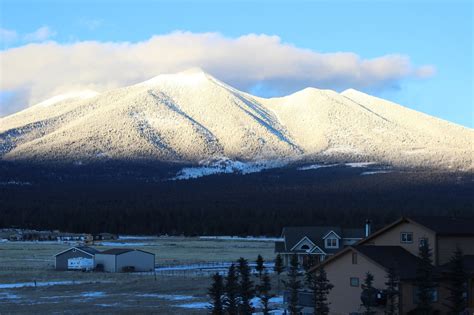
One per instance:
(61,258)
(124,259)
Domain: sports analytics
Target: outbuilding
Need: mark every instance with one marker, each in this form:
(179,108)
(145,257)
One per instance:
(74,258)
(124,260)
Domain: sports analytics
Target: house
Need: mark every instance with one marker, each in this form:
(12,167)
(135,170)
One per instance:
(72,258)
(397,246)
(123,260)
(105,237)
(317,241)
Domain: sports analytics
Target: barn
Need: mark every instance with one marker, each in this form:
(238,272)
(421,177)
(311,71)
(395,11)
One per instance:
(70,259)
(124,260)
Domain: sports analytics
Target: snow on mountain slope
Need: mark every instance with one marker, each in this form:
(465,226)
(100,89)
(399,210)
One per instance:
(191,116)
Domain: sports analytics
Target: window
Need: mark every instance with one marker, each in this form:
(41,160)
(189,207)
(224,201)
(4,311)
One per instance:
(423,241)
(304,247)
(354,282)
(434,295)
(332,243)
(406,237)
(354,258)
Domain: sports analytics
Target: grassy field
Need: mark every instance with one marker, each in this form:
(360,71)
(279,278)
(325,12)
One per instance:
(23,263)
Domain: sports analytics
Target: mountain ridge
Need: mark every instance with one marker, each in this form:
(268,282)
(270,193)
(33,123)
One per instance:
(191,116)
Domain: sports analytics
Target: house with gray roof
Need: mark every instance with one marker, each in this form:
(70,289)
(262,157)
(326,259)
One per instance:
(125,260)
(318,242)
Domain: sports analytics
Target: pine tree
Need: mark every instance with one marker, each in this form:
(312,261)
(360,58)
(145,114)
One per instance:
(293,285)
(247,291)
(457,285)
(264,292)
(308,263)
(369,294)
(424,280)
(320,286)
(216,292)
(259,266)
(278,268)
(393,293)
(231,298)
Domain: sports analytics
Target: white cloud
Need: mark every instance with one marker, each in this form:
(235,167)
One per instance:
(91,24)
(7,36)
(41,34)
(44,69)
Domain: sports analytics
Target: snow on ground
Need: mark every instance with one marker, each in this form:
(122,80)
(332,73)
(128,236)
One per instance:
(136,237)
(315,167)
(43,284)
(169,297)
(93,294)
(226,166)
(360,164)
(14,182)
(194,305)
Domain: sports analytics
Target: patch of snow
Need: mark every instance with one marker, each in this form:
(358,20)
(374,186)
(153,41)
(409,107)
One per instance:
(135,237)
(195,305)
(8,296)
(169,297)
(360,164)
(226,166)
(43,284)
(315,167)
(93,294)
(14,182)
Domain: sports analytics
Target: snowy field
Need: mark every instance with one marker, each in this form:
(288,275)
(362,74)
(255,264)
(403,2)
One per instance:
(28,283)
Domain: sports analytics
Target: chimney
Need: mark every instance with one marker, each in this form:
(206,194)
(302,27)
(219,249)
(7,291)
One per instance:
(367,228)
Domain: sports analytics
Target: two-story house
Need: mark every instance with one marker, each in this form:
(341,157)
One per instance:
(318,241)
(397,246)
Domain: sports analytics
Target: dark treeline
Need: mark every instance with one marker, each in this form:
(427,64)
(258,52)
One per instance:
(137,200)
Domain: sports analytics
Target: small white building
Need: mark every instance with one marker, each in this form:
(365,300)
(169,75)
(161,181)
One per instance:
(125,260)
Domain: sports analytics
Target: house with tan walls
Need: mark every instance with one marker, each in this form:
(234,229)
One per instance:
(397,246)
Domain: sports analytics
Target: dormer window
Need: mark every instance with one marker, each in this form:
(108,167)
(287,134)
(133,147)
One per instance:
(332,243)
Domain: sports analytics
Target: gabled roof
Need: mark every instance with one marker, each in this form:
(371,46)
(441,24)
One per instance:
(120,251)
(386,257)
(85,249)
(404,262)
(447,225)
(315,234)
(303,239)
(331,232)
(439,225)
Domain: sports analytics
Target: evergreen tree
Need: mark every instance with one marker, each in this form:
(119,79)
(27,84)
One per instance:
(424,280)
(293,285)
(278,268)
(260,267)
(393,293)
(308,263)
(246,288)
(231,298)
(216,292)
(320,286)
(368,294)
(264,292)
(457,285)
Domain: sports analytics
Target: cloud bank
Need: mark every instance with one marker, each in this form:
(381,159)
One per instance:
(38,71)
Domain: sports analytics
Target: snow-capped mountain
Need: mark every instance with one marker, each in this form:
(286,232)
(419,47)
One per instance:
(191,116)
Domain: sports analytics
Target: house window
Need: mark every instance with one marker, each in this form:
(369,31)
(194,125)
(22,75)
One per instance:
(406,237)
(423,241)
(332,243)
(354,282)
(434,295)
(354,258)
(304,247)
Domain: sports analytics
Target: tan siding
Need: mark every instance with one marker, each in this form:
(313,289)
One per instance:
(392,237)
(344,298)
(447,245)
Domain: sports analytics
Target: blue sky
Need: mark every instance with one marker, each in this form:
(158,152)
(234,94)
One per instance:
(437,34)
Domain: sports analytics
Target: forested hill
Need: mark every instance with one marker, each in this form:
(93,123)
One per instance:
(134,200)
